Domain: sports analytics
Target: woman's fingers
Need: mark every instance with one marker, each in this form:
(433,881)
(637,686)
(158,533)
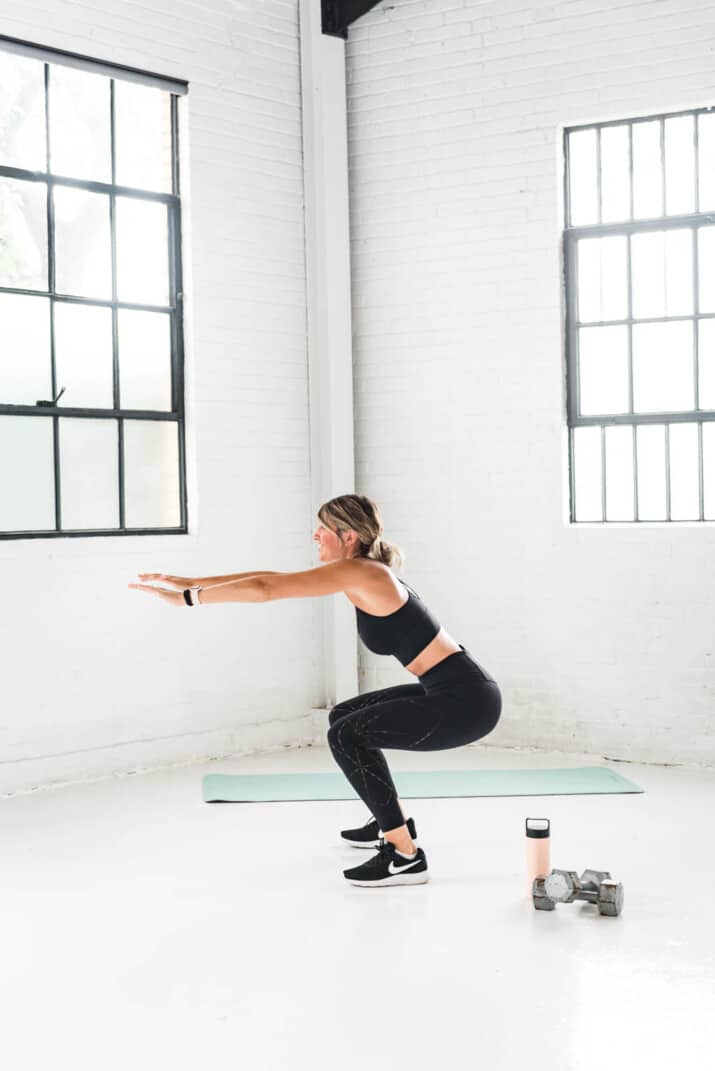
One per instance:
(176,581)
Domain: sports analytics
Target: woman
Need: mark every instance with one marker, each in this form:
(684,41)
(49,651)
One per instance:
(455,702)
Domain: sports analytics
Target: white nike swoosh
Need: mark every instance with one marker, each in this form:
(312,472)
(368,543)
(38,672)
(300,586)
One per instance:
(394,869)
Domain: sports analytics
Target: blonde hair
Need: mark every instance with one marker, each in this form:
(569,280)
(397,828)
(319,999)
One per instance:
(361,515)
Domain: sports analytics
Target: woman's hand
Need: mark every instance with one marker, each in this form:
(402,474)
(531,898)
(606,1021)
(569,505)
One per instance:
(179,583)
(176,598)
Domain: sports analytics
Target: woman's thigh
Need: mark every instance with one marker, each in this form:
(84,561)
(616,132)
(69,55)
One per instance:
(368,699)
(421,722)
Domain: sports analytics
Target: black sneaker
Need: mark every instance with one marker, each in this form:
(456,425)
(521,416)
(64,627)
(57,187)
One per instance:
(369,835)
(388,867)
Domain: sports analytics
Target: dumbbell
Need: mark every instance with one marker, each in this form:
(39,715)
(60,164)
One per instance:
(565,886)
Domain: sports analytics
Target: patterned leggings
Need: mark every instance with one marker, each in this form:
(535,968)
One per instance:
(451,706)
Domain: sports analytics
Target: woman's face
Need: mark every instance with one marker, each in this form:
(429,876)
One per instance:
(330,548)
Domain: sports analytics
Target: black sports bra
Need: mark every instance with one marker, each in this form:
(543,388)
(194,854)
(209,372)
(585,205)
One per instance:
(403,633)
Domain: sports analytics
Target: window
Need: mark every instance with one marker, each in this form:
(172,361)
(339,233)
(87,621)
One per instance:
(639,256)
(91,349)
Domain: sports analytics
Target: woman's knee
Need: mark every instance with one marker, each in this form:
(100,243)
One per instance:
(339,711)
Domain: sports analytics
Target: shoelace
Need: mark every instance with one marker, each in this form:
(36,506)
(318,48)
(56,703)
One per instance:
(382,851)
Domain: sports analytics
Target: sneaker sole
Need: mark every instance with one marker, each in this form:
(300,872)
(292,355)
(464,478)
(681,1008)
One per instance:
(370,843)
(396,879)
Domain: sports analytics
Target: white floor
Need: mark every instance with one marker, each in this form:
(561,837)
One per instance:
(142,928)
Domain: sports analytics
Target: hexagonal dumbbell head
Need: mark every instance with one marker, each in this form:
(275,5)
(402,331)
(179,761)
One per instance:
(610,897)
(594,877)
(542,902)
(563,886)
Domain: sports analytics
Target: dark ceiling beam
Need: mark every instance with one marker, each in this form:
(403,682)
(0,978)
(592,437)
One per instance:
(339,14)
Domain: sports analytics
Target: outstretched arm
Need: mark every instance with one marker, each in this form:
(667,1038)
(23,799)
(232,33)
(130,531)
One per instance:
(205,581)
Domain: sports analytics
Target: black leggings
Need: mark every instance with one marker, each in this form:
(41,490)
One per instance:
(455,703)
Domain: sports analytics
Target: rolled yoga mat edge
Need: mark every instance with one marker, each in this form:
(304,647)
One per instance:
(418,784)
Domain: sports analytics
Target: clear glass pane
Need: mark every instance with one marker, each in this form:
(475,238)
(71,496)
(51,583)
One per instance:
(706,364)
(23,227)
(706,162)
(80,127)
(83,249)
(684,473)
(709,471)
(679,139)
(89,473)
(650,445)
(83,355)
(620,504)
(603,370)
(583,176)
(706,268)
(144,360)
(587,474)
(27,477)
(602,279)
(22,113)
(589,280)
(151,474)
(615,174)
(679,272)
(662,270)
(25,365)
(614,277)
(663,367)
(142,252)
(647,174)
(142,117)
(648,274)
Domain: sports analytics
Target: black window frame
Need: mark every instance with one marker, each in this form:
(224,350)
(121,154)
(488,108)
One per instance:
(174,309)
(571,235)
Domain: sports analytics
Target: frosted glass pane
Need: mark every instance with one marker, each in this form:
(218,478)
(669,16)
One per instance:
(23,226)
(142,252)
(583,185)
(603,370)
(89,473)
(83,355)
(648,274)
(80,112)
(647,175)
(602,279)
(83,251)
(679,273)
(142,118)
(706,268)
(709,471)
(25,368)
(615,174)
(706,364)
(27,478)
(587,474)
(619,474)
(151,474)
(144,360)
(679,139)
(684,473)
(706,162)
(650,444)
(22,113)
(663,367)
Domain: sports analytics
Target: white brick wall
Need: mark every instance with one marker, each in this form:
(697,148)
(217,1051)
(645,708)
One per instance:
(600,638)
(97,678)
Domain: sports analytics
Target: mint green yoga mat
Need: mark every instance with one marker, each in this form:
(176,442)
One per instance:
(417,784)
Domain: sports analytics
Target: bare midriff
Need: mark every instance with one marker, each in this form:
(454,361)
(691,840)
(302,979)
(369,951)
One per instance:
(383,595)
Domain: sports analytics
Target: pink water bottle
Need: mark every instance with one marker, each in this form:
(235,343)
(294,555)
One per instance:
(538,850)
